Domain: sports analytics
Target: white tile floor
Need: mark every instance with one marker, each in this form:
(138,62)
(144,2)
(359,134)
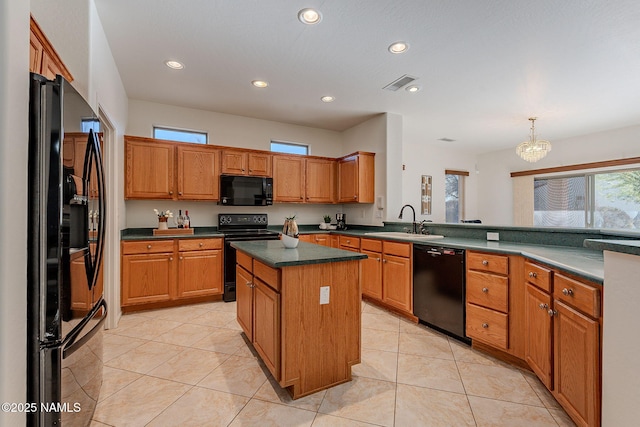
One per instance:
(190,366)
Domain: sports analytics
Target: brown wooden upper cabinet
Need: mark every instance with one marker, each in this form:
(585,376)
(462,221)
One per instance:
(159,169)
(356,178)
(165,170)
(198,176)
(240,162)
(288,178)
(43,58)
(320,180)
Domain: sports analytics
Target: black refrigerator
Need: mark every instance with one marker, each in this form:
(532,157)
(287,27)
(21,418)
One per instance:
(66,217)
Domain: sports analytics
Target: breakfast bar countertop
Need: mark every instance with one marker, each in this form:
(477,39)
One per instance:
(274,254)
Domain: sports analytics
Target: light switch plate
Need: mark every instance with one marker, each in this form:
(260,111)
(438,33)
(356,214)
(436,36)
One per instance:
(324,295)
(493,236)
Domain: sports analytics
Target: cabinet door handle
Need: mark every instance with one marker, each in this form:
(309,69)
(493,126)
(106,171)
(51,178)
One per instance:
(567,292)
(552,312)
(248,284)
(384,260)
(171,193)
(242,170)
(485,325)
(355,197)
(179,193)
(378,259)
(181,258)
(485,262)
(532,274)
(485,290)
(201,244)
(170,258)
(148,246)
(543,306)
(250,170)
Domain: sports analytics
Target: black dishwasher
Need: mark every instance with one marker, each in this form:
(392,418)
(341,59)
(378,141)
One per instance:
(439,289)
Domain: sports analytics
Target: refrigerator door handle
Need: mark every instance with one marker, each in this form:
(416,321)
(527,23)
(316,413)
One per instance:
(70,345)
(93,159)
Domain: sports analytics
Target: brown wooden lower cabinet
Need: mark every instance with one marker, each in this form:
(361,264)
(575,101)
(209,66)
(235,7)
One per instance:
(538,349)
(577,370)
(161,271)
(563,339)
(317,238)
(307,346)
(266,336)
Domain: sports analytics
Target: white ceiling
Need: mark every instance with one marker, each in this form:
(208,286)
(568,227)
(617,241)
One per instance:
(484,66)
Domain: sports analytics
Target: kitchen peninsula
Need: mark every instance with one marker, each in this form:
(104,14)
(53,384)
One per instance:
(300,309)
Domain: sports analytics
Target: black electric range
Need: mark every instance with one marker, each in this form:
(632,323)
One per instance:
(239,227)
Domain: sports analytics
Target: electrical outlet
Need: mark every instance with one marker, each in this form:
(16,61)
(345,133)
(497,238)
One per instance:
(493,236)
(324,295)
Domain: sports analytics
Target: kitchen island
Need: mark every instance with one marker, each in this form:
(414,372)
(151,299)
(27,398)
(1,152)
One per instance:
(300,309)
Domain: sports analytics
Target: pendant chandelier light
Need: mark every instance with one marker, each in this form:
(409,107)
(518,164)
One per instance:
(534,149)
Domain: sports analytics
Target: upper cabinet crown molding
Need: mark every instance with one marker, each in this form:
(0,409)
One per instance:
(43,58)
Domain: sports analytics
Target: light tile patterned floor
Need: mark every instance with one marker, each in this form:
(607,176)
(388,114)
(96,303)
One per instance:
(190,366)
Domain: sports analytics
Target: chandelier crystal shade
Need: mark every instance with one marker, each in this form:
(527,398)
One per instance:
(534,149)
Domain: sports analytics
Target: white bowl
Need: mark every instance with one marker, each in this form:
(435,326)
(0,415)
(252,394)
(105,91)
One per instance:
(332,227)
(289,242)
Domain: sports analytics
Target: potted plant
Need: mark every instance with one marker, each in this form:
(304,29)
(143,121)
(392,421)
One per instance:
(327,220)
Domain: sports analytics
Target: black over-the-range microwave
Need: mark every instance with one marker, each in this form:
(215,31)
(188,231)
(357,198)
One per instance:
(238,190)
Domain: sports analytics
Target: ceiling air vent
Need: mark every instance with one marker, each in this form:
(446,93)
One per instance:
(397,84)
(446,140)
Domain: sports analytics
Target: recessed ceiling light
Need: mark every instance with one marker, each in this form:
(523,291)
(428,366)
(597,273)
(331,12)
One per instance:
(260,83)
(398,47)
(328,98)
(412,88)
(309,16)
(174,64)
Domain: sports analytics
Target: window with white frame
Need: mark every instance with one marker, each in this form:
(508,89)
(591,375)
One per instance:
(599,200)
(180,135)
(289,147)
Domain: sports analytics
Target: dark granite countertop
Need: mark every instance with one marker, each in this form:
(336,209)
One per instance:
(586,261)
(147,234)
(583,262)
(274,254)
(631,247)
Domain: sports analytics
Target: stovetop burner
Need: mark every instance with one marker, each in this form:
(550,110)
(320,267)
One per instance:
(240,225)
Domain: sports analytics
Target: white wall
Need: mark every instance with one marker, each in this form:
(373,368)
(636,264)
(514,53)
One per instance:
(495,200)
(14,136)
(233,131)
(369,136)
(107,96)
(228,129)
(422,158)
(66,25)
(620,364)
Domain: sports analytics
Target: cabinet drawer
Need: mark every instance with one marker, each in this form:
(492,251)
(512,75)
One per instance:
(537,275)
(372,245)
(245,261)
(199,244)
(147,247)
(584,297)
(350,242)
(488,290)
(488,262)
(398,249)
(269,275)
(486,325)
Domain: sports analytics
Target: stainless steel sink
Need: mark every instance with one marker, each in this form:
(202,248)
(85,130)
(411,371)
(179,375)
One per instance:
(404,236)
